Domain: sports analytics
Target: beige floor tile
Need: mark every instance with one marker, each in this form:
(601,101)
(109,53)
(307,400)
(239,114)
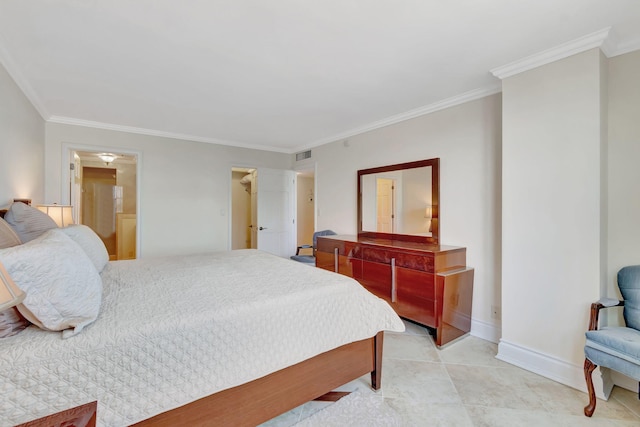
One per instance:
(471,351)
(414,329)
(410,347)
(418,382)
(440,415)
(504,417)
(494,387)
(627,398)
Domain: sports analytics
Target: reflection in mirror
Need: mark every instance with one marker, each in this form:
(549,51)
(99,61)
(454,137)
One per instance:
(400,201)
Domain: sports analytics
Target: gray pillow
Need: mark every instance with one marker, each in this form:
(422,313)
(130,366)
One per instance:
(28,222)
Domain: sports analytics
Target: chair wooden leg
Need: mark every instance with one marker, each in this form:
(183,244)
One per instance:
(588,370)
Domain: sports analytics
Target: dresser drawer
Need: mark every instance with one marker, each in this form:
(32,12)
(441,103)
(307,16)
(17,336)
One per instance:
(377,277)
(414,283)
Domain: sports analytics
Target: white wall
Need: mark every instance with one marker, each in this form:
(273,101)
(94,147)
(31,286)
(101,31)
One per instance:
(624,165)
(552,213)
(466,138)
(21,145)
(624,176)
(185,185)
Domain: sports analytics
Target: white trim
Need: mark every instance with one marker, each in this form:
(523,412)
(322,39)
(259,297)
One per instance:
(472,95)
(553,368)
(557,53)
(9,64)
(152,132)
(486,331)
(65,196)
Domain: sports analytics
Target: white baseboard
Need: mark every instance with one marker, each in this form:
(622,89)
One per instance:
(553,368)
(486,331)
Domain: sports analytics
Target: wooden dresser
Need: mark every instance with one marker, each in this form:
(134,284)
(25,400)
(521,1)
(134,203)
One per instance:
(428,284)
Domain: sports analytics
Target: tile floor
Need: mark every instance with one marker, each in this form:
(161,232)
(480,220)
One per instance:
(465,385)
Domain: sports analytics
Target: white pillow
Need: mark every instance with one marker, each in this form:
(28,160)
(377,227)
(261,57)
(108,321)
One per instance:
(90,242)
(63,288)
(28,222)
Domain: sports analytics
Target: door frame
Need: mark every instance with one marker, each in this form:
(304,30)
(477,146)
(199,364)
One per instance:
(65,190)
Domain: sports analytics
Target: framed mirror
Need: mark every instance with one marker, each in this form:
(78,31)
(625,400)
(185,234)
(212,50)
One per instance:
(400,202)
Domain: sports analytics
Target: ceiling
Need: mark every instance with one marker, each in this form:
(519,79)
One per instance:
(281,75)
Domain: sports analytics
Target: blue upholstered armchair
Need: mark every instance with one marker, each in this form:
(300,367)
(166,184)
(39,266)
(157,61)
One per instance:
(612,347)
(311,259)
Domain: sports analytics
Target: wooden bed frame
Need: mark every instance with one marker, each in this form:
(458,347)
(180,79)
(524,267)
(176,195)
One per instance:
(260,400)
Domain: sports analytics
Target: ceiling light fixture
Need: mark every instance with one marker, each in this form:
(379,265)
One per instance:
(107,158)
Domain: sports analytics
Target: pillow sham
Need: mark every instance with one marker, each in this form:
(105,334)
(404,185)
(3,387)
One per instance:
(28,222)
(90,242)
(8,237)
(12,322)
(63,288)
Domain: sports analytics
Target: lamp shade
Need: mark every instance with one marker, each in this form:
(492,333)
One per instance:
(10,294)
(61,214)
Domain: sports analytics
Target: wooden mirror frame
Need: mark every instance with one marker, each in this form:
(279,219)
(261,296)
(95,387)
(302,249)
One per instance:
(435,199)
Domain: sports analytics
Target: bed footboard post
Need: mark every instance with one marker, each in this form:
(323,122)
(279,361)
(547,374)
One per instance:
(376,374)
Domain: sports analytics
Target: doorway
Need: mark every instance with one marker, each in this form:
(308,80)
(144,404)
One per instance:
(263,211)
(306,206)
(103,189)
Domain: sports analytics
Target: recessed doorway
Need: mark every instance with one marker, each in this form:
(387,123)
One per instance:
(103,188)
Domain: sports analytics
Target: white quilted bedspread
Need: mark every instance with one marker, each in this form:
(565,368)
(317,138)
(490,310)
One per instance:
(173,330)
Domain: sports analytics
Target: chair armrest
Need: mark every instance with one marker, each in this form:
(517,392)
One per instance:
(595,310)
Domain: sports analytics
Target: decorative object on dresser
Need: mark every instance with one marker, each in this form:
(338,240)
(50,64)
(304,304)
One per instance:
(423,281)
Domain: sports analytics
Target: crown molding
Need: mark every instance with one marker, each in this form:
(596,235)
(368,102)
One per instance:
(562,51)
(152,132)
(421,111)
(9,64)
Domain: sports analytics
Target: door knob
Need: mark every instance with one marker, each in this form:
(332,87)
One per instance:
(262,228)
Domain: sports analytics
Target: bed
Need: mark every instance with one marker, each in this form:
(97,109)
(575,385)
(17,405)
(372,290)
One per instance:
(225,338)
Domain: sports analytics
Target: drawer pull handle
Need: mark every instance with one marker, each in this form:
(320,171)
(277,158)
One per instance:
(394,290)
(335,260)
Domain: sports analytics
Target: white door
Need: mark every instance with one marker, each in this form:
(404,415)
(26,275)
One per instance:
(275,228)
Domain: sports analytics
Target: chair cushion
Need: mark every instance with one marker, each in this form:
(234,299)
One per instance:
(307,259)
(618,341)
(629,284)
